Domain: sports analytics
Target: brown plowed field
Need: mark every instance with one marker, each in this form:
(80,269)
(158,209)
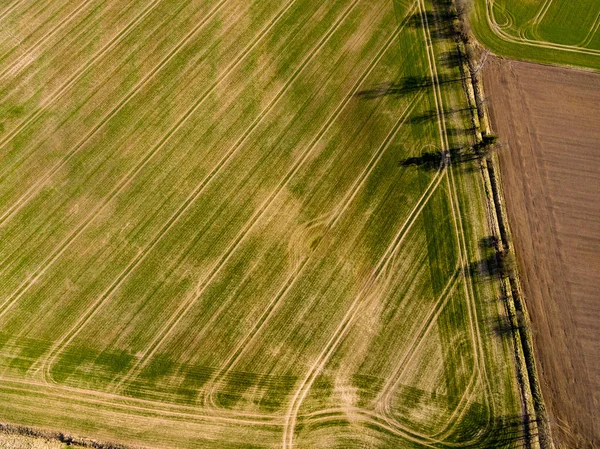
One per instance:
(547,119)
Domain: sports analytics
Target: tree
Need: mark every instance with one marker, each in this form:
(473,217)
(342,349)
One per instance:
(486,146)
(508,264)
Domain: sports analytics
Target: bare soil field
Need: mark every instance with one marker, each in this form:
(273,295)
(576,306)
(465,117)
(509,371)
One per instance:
(547,122)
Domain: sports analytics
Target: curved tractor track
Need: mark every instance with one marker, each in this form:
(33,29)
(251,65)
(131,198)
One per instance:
(499,30)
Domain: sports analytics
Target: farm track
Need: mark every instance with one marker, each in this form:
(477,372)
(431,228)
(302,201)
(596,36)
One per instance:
(125,181)
(186,305)
(43,180)
(192,197)
(26,58)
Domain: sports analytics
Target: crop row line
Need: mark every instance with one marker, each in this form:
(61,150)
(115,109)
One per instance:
(80,72)
(259,324)
(188,303)
(18,63)
(43,180)
(19,292)
(189,201)
(352,312)
(10,9)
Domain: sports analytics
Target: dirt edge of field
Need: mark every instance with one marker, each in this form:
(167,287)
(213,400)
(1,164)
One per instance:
(544,115)
(17,437)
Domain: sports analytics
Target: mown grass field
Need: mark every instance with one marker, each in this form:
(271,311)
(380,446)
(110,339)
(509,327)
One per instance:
(235,224)
(547,31)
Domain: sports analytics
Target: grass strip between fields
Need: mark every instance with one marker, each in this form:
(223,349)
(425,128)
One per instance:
(535,411)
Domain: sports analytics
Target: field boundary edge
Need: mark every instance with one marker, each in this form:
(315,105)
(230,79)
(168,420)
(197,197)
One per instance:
(528,377)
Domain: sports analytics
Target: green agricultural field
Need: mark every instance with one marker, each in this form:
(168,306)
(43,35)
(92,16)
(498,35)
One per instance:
(549,31)
(235,224)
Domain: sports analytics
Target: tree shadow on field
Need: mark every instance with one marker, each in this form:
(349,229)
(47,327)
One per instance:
(416,20)
(440,21)
(429,160)
(485,269)
(405,86)
(432,115)
(432,160)
(450,59)
(490,242)
(509,431)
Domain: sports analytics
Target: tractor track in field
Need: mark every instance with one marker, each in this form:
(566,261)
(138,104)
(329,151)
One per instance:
(126,180)
(26,58)
(476,338)
(192,197)
(295,275)
(353,309)
(376,419)
(186,305)
(43,180)
(98,398)
(10,9)
(385,399)
(371,418)
(497,29)
(58,93)
(542,12)
(593,30)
